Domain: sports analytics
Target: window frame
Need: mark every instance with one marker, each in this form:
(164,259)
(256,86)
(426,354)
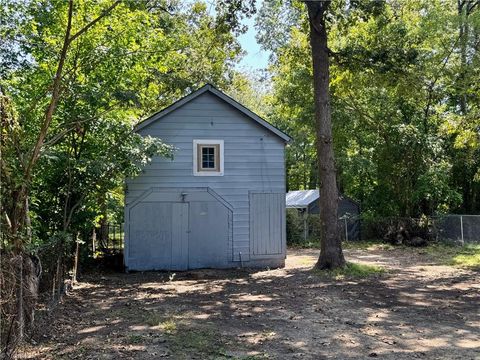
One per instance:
(198,144)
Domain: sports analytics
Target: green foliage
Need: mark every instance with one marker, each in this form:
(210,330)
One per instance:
(297,221)
(138,58)
(400,72)
(169,326)
(294,227)
(310,243)
(250,90)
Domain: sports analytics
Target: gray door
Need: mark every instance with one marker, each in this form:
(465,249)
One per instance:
(267,223)
(179,236)
(158,232)
(209,235)
(179,230)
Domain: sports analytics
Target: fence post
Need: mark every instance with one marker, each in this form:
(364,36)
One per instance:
(304,228)
(20,312)
(75,261)
(346,229)
(94,239)
(461,228)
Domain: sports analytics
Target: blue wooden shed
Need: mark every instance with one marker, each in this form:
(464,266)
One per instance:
(220,202)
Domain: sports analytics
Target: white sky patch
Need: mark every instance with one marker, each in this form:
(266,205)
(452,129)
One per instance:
(255,58)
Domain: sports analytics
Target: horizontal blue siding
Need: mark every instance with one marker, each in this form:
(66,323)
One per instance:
(253,159)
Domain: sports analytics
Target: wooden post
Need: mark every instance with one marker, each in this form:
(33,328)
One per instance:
(346,229)
(461,229)
(94,240)
(122,236)
(305,225)
(75,263)
(20,314)
(59,275)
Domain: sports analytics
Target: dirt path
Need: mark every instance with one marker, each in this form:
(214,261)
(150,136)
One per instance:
(417,309)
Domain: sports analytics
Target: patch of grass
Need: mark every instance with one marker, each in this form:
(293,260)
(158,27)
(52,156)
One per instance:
(80,350)
(204,342)
(226,355)
(154,319)
(135,339)
(368,245)
(353,245)
(169,326)
(467,256)
(352,270)
(184,339)
(123,312)
(268,335)
(309,244)
(307,261)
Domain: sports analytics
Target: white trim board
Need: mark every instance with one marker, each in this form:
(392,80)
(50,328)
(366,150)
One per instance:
(195,157)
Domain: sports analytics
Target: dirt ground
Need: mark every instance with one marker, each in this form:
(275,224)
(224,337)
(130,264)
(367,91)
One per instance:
(417,309)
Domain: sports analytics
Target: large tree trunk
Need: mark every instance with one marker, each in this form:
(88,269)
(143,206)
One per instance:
(331,255)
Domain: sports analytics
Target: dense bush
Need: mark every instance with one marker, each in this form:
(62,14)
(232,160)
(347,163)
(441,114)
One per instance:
(399,230)
(296,222)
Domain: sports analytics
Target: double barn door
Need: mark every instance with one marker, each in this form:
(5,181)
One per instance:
(194,232)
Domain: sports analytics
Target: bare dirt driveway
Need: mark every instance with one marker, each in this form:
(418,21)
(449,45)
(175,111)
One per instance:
(415,309)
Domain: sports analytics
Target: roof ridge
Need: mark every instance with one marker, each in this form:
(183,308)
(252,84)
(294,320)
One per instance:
(212,89)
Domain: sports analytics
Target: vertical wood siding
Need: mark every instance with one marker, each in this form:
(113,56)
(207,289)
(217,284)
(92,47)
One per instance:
(267,223)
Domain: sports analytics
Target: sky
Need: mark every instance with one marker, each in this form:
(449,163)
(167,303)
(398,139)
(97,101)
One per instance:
(255,58)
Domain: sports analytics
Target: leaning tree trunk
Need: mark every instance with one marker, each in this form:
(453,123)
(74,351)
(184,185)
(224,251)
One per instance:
(331,255)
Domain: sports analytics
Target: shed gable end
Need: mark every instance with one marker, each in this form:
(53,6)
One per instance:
(222,100)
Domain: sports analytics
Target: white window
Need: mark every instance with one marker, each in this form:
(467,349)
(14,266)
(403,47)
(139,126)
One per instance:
(208,157)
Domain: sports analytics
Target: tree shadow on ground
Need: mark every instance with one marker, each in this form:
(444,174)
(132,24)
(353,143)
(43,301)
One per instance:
(281,314)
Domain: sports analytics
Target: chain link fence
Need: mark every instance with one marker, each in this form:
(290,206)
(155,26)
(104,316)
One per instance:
(459,229)
(302,227)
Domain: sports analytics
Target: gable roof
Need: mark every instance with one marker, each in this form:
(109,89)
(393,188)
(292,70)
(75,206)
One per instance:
(210,88)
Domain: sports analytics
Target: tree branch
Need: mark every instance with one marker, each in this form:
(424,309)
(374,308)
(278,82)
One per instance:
(472,6)
(55,96)
(57,137)
(433,82)
(58,78)
(93,22)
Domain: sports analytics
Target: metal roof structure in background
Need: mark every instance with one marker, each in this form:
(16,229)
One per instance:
(300,199)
